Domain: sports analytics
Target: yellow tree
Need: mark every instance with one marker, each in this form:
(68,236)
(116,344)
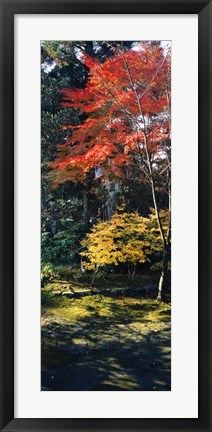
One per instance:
(100,249)
(126,238)
(130,235)
(123,239)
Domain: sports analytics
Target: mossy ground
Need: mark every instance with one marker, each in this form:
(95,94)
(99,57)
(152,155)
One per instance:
(117,310)
(101,342)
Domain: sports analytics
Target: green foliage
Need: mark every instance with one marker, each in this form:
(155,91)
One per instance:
(158,266)
(62,226)
(48,273)
(64,272)
(77,274)
(60,248)
(61,208)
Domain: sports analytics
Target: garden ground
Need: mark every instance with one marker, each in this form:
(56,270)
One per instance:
(117,340)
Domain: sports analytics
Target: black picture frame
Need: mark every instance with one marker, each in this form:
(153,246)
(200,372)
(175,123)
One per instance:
(8,9)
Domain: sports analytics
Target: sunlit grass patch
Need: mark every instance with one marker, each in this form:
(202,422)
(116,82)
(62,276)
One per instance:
(117,310)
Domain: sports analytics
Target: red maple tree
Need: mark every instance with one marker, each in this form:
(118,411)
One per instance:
(127,110)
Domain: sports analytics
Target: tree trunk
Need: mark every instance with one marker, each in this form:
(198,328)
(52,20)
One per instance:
(128,269)
(94,276)
(131,272)
(82,268)
(85,207)
(163,277)
(166,253)
(151,180)
(112,199)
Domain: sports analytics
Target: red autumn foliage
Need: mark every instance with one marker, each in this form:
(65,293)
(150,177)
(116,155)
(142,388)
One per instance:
(127,99)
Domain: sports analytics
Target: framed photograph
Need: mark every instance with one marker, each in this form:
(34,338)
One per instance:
(105,215)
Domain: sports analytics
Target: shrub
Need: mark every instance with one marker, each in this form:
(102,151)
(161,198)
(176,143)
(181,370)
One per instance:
(48,273)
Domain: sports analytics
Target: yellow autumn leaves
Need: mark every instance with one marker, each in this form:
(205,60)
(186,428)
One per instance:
(126,238)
